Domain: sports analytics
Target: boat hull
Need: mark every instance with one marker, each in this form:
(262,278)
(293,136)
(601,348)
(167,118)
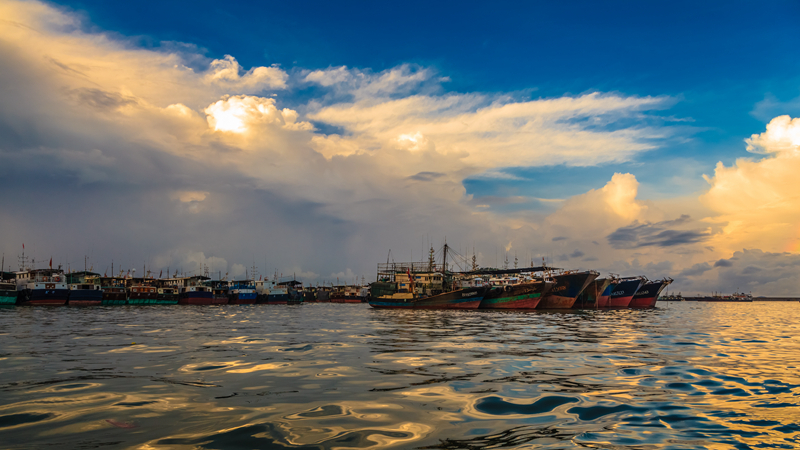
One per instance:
(468,298)
(242,299)
(520,296)
(85,297)
(46,297)
(647,296)
(622,294)
(594,294)
(197,298)
(9,297)
(565,293)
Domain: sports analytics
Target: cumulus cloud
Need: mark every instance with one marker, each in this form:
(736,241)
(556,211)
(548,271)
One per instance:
(186,162)
(756,201)
(228,73)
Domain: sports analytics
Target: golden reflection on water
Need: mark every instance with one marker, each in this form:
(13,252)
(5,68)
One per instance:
(689,376)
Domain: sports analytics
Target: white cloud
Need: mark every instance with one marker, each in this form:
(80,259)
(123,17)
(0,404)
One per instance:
(227,72)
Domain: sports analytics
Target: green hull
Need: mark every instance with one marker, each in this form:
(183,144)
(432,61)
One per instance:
(8,299)
(152,301)
(114,302)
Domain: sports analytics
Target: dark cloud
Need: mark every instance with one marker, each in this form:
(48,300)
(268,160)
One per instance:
(659,234)
(589,259)
(426,176)
(723,263)
(99,99)
(695,270)
(559,238)
(576,254)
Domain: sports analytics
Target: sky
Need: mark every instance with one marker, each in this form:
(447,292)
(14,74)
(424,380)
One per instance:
(318,139)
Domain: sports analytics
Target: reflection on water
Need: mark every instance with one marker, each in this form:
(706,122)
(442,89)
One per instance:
(347,376)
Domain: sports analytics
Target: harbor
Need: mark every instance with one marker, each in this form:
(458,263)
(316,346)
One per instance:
(431,284)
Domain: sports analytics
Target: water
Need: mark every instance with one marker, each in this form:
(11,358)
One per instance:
(319,376)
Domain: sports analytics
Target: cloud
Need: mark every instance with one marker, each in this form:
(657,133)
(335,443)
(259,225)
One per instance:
(756,202)
(660,234)
(723,263)
(227,72)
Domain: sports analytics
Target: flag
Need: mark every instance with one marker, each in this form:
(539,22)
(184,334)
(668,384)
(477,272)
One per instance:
(23,246)
(51,262)
(159,273)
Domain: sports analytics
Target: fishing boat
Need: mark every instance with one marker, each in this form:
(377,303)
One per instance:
(113,288)
(422,286)
(242,293)
(647,295)
(85,294)
(141,292)
(46,287)
(167,296)
(569,285)
(348,294)
(196,295)
(595,294)
(8,292)
(623,291)
(515,293)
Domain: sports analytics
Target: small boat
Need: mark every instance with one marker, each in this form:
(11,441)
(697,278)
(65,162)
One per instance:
(85,294)
(647,295)
(46,287)
(569,285)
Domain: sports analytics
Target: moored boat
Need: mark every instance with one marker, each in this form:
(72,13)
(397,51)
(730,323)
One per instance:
(622,293)
(242,293)
(568,286)
(85,294)
(8,292)
(167,296)
(195,295)
(141,292)
(595,294)
(46,287)
(521,295)
(647,295)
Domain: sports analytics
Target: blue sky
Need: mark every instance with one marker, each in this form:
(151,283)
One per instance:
(313,137)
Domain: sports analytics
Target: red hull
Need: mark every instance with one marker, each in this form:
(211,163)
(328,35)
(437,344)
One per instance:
(643,302)
(556,302)
(620,302)
(602,301)
(45,302)
(85,302)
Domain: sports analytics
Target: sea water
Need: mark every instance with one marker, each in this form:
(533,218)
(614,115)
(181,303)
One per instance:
(320,376)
